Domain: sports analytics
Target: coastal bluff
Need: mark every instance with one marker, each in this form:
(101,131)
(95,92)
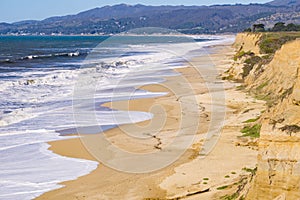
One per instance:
(274,78)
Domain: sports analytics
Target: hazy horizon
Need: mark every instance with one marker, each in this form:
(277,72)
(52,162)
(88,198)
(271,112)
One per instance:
(15,10)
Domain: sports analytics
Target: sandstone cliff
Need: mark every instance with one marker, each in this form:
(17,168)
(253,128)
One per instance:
(246,44)
(278,83)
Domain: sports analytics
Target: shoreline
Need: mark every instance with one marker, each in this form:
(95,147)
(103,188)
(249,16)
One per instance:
(108,35)
(61,147)
(160,184)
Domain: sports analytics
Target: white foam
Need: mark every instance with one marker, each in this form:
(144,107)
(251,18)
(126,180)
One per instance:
(28,168)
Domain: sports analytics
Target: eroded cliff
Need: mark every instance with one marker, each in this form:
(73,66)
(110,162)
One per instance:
(275,79)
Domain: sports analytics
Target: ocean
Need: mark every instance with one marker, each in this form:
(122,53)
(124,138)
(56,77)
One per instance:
(38,76)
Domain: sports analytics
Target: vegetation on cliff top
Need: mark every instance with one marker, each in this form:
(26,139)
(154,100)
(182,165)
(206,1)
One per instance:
(270,42)
(278,27)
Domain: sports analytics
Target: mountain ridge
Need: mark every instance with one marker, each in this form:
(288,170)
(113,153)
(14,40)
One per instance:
(123,17)
(285,3)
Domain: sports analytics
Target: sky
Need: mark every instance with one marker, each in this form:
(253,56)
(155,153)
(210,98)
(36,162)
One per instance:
(18,10)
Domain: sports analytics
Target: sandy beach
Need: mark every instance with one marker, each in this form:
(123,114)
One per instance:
(192,176)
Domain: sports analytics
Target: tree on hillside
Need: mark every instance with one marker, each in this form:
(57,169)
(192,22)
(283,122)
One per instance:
(248,30)
(292,27)
(279,26)
(258,27)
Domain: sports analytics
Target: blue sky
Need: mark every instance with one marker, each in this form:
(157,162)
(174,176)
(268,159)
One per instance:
(17,10)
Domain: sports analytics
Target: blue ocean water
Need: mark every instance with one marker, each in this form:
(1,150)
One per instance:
(37,78)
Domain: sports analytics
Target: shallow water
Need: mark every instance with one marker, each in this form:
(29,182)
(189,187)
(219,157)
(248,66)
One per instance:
(37,78)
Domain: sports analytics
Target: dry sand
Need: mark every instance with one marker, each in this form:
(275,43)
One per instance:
(184,178)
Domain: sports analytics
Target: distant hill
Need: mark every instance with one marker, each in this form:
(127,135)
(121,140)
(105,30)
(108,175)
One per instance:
(186,19)
(269,21)
(285,3)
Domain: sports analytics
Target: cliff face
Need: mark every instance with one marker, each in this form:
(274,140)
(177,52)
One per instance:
(280,75)
(278,171)
(245,44)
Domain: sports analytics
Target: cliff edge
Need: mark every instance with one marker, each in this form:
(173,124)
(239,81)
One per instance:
(273,75)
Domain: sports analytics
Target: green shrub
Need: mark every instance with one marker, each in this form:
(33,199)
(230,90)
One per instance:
(241,54)
(249,64)
(222,187)
(241,87)
(251,120)
(260,87)
(252,131)
(230,197)
(249,170)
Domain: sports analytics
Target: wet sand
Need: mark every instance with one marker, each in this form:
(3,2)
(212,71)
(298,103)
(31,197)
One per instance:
(172,113)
